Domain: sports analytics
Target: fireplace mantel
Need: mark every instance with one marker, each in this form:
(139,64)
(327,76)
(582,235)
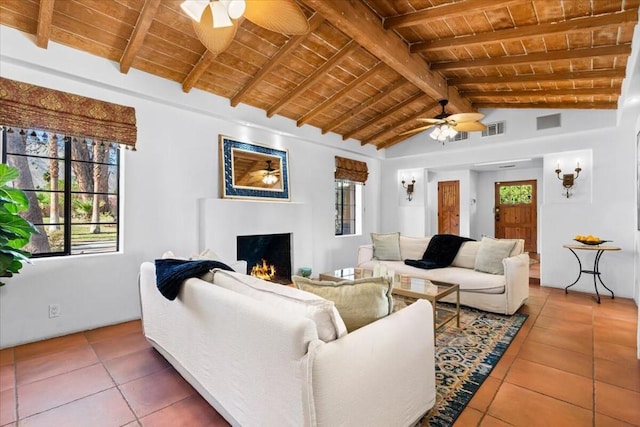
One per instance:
(222,220)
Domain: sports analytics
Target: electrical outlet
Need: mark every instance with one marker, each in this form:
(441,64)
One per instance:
(54,310)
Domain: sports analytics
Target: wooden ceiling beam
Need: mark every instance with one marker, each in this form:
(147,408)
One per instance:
(196,72)
(617,73)
(427,110)
(380,117)
(599,105)
(277,59)
(615,91)
(45,18)
(388,90)
(317,75)
(139,33)
(555,55)
(450,10)
(386,46)
(341,94)
(619,19)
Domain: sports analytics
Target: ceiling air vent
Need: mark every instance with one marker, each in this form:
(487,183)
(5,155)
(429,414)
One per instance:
(497,128)
(548,122)
(460,136)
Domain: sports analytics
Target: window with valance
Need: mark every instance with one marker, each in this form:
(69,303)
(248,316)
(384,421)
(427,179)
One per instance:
(67,150)
(351,170)
(23,105)
(350,175)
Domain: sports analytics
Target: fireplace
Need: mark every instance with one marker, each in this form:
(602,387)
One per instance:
(268,255)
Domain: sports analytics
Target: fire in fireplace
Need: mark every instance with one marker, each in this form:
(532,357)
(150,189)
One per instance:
(263,270)
(267,255)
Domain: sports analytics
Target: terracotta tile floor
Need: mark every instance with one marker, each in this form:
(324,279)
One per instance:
(572,364)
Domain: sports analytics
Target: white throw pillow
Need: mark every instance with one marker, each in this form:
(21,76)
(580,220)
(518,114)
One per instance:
(491,253)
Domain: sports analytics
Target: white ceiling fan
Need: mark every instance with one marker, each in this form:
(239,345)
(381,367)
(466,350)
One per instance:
(215,22)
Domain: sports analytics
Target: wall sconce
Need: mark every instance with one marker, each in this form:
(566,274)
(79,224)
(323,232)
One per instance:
(409,188)
(568,179)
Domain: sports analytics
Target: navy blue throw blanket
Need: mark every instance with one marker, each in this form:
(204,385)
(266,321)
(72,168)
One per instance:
(440,253)
(170,273)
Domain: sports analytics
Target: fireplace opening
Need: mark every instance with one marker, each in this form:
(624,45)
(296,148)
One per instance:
(268,256)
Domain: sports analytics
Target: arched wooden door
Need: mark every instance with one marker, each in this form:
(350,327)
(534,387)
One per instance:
(516,212)
(449,207)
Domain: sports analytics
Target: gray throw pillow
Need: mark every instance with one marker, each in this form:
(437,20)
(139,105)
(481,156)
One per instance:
(386,247)
(491,253)
(359,301)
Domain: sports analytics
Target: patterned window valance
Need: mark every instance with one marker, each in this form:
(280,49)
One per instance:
(28,106)
(351,170)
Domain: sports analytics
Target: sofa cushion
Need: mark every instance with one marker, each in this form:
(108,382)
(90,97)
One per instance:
(359,301)
(386,247)
(413,247)
(491,253)
(466,256)
(323,312)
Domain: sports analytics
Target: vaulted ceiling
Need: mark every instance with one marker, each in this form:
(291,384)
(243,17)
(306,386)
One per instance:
(367,69)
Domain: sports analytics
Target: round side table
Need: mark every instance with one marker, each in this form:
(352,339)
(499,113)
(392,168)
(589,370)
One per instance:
(600,249)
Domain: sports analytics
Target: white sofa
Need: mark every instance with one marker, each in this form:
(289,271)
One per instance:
(489,292)
(244,345)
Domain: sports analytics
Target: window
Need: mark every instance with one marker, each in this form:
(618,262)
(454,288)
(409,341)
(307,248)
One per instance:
(516,194)
(349,177)
(73,188)
(345,207)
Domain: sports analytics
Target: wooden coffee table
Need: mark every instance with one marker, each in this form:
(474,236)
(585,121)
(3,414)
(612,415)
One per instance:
(411,287)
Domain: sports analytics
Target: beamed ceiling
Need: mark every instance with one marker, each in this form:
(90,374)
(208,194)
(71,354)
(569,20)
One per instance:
(367,69)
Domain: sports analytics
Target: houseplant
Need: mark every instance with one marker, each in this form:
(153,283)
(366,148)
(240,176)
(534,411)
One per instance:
(15,231)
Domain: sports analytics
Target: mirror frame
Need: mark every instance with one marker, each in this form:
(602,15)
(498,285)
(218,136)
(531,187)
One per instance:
(229,190)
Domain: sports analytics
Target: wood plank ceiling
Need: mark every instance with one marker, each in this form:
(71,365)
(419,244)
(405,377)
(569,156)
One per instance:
(367,68)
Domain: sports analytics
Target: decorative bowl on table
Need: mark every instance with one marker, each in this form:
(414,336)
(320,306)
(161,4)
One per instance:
(590,240)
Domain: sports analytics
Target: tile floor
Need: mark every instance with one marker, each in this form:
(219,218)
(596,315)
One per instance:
(572,364)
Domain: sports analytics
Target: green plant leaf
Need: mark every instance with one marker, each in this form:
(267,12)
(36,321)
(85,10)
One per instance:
(15,231)
(16,197)
(7,174)
(17,224)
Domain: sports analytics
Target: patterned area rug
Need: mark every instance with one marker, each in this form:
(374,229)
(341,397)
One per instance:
(465,357)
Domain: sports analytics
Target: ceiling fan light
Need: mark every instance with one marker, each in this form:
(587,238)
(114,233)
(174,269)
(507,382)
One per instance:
(435,134)
(194,8)
(269,178)
(235,8)
(220,15)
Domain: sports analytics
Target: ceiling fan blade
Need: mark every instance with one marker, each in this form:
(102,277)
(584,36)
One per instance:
(432,121)
(194,8)
(420,129)
(469,127)
(281,16)
(465,117)
(215,40)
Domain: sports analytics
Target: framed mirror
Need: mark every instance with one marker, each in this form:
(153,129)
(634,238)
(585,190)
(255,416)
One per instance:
(253,171)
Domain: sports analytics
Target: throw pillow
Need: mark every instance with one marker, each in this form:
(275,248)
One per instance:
(386,247)
(491,253)
(359,302)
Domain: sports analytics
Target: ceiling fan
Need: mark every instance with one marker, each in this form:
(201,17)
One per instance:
(268,176)
(448,125)
(215,22)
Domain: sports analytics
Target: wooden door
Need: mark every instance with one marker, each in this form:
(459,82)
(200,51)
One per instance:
(516,212)
(449,207)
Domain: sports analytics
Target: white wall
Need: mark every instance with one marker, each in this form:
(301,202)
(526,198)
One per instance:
(175,166)
(610,213)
